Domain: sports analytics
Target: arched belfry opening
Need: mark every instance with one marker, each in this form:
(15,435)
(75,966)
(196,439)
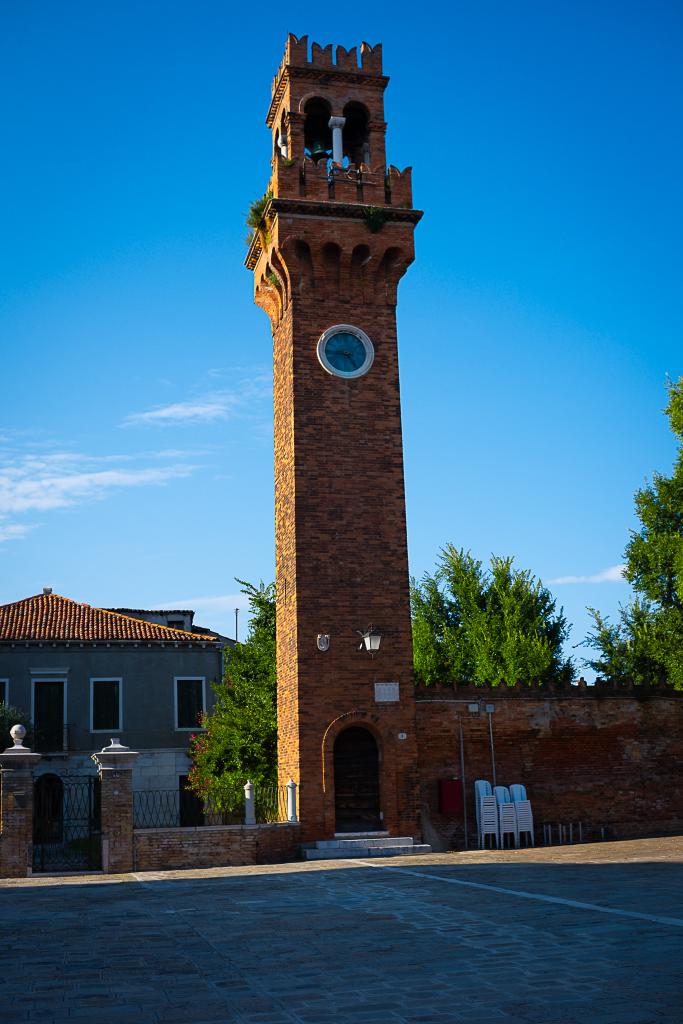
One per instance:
(356,134)
(356,781)
(317,131)
(280,145)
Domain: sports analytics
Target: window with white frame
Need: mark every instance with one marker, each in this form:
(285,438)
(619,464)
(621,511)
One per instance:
(189,701)
(106,705)
(4,691)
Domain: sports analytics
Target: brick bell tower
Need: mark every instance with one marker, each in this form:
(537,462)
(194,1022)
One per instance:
(335,238)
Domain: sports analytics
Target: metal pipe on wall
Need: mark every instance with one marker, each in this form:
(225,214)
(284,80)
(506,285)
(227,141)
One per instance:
(493,752)
(462,777)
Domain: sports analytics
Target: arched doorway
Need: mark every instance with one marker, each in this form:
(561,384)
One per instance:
(48,809)
(356,781)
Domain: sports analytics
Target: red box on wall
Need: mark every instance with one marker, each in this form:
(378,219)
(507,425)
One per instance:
(450,796)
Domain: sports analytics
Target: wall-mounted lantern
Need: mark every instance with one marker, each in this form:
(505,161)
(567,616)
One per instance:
(370,640)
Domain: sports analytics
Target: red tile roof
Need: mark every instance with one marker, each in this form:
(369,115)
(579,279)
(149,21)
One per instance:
(50,617)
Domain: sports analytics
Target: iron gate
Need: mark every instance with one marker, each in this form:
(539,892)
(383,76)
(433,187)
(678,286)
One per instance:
(66,824)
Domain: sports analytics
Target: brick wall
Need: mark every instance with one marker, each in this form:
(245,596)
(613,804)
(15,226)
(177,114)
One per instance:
(214,846)
(609,759)
(341,558)
(16,821)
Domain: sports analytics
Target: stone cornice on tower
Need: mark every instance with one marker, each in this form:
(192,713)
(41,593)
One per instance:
(320,208)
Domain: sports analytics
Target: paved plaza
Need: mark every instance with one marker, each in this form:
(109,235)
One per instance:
(582,935)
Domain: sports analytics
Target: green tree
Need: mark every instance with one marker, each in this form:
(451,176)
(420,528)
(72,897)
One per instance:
(472,625)
(645,646)
(239,741)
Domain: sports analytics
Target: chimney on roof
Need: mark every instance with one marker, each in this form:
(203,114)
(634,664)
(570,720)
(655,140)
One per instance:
(47,590)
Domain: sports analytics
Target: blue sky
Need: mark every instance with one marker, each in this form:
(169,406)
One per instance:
(536,327)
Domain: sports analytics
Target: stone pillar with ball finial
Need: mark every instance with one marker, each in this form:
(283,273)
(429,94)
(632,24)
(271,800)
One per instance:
(16,779)
(115,765)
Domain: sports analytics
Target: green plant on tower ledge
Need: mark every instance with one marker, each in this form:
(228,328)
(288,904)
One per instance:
(255,217)
(375,218)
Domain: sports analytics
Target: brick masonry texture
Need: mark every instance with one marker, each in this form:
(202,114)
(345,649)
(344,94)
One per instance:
(612,760)
(215,846)
(16,822)
(341,552)
(609,759)
(117,819)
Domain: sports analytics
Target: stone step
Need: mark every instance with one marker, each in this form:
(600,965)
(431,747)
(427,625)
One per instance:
(375,834)
(359,852)
(366,841)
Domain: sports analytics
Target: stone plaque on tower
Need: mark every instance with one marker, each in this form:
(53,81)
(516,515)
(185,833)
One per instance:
(334,240)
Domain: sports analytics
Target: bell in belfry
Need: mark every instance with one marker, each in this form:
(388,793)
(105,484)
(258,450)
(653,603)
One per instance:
(318,152)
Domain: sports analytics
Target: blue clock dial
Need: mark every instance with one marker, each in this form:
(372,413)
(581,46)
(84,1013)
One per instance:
(345,351)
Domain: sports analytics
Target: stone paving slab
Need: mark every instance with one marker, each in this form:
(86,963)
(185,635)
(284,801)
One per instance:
(566,935)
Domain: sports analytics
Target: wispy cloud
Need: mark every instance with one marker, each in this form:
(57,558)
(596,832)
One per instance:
(213,406)
(31,482)
(14,531)
(202,411)
(614,574)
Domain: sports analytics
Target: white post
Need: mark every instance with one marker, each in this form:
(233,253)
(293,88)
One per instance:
(336,124)
(291,801)
(249,809)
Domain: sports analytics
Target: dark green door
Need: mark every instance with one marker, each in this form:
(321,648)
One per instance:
(48,715)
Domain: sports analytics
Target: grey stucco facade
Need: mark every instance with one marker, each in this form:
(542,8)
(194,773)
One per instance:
(147,674)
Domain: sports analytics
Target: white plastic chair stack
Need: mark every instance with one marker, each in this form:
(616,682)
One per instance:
(488,820)
(507,823)
(525,821)
(502,794)
(481,788)
(517,792)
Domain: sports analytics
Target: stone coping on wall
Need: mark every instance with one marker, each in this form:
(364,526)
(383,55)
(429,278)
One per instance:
(580,691)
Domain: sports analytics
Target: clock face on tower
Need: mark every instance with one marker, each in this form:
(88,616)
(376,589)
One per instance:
(345,351)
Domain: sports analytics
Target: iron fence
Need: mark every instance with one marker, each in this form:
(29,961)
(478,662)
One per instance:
(67,829)
(169,808)
(270,804)
(181,808)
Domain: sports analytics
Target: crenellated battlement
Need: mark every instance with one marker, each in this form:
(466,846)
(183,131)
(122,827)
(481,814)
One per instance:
(373,186)
(329,57)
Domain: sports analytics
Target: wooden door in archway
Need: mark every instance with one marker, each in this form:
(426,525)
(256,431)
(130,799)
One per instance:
(356,781)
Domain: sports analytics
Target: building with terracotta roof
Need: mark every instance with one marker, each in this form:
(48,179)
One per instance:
(85,674)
